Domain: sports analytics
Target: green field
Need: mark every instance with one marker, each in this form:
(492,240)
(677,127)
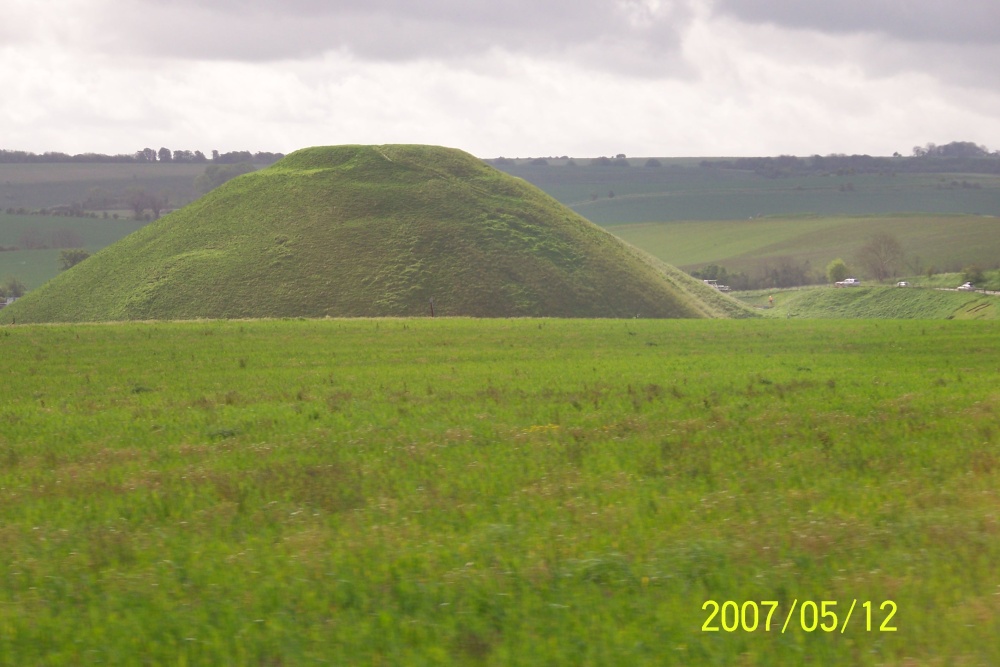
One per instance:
(36,186)
(500,492)
(35,267)
(677,192)
(944,242)
(690,216)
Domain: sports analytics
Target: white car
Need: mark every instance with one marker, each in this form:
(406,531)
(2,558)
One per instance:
(902,283)
(966,287)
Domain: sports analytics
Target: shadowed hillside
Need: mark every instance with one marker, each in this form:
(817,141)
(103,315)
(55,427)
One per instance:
(370,231)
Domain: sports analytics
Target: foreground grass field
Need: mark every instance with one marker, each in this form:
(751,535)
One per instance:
(501,492)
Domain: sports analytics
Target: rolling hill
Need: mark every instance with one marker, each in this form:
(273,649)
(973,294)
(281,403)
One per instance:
(355,231)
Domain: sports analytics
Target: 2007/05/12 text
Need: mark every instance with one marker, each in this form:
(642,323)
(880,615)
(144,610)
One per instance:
(812,616)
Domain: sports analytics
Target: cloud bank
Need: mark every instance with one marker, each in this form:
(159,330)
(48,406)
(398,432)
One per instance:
(539,77)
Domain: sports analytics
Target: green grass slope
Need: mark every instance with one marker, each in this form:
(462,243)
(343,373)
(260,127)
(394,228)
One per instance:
(370,231)
(877,303)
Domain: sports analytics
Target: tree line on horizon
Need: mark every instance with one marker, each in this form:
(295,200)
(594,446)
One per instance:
(145,155)
(954,157)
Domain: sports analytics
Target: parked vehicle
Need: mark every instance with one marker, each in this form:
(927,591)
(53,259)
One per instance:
(902,283)
(966,287)
(716,285)
(848,282)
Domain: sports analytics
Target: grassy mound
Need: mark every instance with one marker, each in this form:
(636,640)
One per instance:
(370,231)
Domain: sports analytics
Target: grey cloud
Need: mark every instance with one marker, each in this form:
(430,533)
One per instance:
(391,30)
(953,21)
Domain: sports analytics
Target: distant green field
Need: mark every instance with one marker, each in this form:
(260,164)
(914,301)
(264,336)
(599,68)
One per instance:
(35,267)
(500,492)
(36,186)
(690,216)
(675,192)
(947,243)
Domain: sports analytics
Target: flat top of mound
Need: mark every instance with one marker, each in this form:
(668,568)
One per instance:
(354,231)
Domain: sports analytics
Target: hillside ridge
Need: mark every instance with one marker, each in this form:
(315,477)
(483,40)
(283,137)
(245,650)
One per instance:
(370,231)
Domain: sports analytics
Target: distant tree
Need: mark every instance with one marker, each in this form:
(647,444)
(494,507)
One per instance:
(263,157)
(99,198)
(653,162)
(145,155)
(611,194)
(12,287)
(215,156)
(786,272)
(217,174)
(958,149)
(539,162)
(235,157)
(836,270)
(138,200)
(70,258)
(620,156)
(66,238)
(881,256)
(157,203)
(736,279)
(199,157)
(973,274)
(165,155)
(31,240)
(712,272)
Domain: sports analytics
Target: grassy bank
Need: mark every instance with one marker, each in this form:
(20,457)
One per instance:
(879,302)
(505,492)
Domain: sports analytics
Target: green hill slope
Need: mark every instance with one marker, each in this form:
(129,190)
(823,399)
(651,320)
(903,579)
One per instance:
(370,231)
(912,303)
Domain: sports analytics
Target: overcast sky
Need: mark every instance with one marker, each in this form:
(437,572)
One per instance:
(515,78)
